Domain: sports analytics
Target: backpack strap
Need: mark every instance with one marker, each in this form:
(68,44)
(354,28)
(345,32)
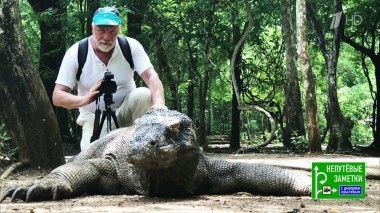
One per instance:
(126,49)
(83,49)
(82,55)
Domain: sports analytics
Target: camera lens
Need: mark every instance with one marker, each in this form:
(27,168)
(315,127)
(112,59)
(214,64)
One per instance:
(108,76)
(108,86)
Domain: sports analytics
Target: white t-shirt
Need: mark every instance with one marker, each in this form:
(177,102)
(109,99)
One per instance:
(94,69)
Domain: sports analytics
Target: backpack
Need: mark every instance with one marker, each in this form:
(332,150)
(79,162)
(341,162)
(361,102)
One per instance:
(83,49)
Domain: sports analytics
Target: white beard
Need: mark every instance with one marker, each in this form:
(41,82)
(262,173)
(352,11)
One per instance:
(105,46)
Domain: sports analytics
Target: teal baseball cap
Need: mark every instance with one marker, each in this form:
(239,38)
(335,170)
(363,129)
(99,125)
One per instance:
(106,16)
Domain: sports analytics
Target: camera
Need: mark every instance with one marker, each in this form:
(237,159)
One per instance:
(108,86)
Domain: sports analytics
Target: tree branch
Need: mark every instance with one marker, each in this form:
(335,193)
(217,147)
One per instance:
(318,30)
(237,48)
(12,168)
(358,47)
(273,125)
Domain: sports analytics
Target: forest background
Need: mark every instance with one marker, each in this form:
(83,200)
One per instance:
(206,52)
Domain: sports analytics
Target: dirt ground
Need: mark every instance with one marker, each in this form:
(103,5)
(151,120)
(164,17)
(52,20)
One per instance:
(239,202)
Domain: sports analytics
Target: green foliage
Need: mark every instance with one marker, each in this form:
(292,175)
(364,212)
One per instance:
(5,144)
(32,30)
(264,73)
(353,91)
(197,37)
(362,16)
(300,143)
(350,69)
(356,103)
(75,27)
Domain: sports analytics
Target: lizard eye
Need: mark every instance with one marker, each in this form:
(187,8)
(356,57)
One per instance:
(174,127)
(173,131)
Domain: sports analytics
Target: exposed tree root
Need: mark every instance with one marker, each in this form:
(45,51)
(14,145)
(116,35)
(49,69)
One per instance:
(272,133)
(12,168)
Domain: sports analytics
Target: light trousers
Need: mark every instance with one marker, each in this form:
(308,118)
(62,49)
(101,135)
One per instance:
(135,104)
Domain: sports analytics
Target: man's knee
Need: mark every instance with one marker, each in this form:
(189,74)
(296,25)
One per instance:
(86,120)
(134,106)
(141,97)
(87,131)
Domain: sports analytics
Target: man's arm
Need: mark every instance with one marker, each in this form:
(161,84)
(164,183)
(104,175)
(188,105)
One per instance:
(63,97)
(154,84)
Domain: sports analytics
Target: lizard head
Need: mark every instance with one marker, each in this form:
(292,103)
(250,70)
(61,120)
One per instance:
(162,139)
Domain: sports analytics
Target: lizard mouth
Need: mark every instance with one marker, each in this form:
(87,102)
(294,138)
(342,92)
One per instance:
(161,157)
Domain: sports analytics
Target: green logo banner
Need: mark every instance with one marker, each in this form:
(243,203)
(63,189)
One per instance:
(338,180)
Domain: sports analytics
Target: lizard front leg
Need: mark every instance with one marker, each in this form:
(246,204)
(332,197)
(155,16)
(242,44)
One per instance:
(95,176)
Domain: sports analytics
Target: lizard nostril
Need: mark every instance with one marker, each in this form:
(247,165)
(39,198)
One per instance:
(153,143)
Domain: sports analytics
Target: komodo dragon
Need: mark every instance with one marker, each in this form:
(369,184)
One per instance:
(158,157)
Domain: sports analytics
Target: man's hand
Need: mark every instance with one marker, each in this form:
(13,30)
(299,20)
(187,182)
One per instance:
(154,84)
(159,106)
(63,97)
(93,92)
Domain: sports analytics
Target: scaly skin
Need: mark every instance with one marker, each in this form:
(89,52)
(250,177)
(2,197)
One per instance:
(157,157)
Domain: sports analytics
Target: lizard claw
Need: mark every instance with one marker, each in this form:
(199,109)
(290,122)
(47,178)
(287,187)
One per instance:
(7,193)
(19,193)
(42,190)
(14,193)
(27,193)
(39,192)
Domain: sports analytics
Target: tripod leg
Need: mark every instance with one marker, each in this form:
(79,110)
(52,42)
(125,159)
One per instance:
(115,119)
(109,124)
(96,135)
(96,129)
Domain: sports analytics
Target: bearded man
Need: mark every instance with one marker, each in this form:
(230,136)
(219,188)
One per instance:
(104,54)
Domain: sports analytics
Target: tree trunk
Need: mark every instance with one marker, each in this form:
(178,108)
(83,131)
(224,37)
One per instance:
(235,67)
(193,66)
(91,7)
(26,109)
(134,23)
(203,89)
(293,106)
(375,58)
(202,108)
(52,50)
(376,115)
(235,124)
(376,138)
(235,114)
(165,69)
(190,89)
(308,80)
(163,66)
(340,128)
(205,81)
(135,18)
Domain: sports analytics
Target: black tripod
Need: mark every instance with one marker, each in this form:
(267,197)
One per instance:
(107,113)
